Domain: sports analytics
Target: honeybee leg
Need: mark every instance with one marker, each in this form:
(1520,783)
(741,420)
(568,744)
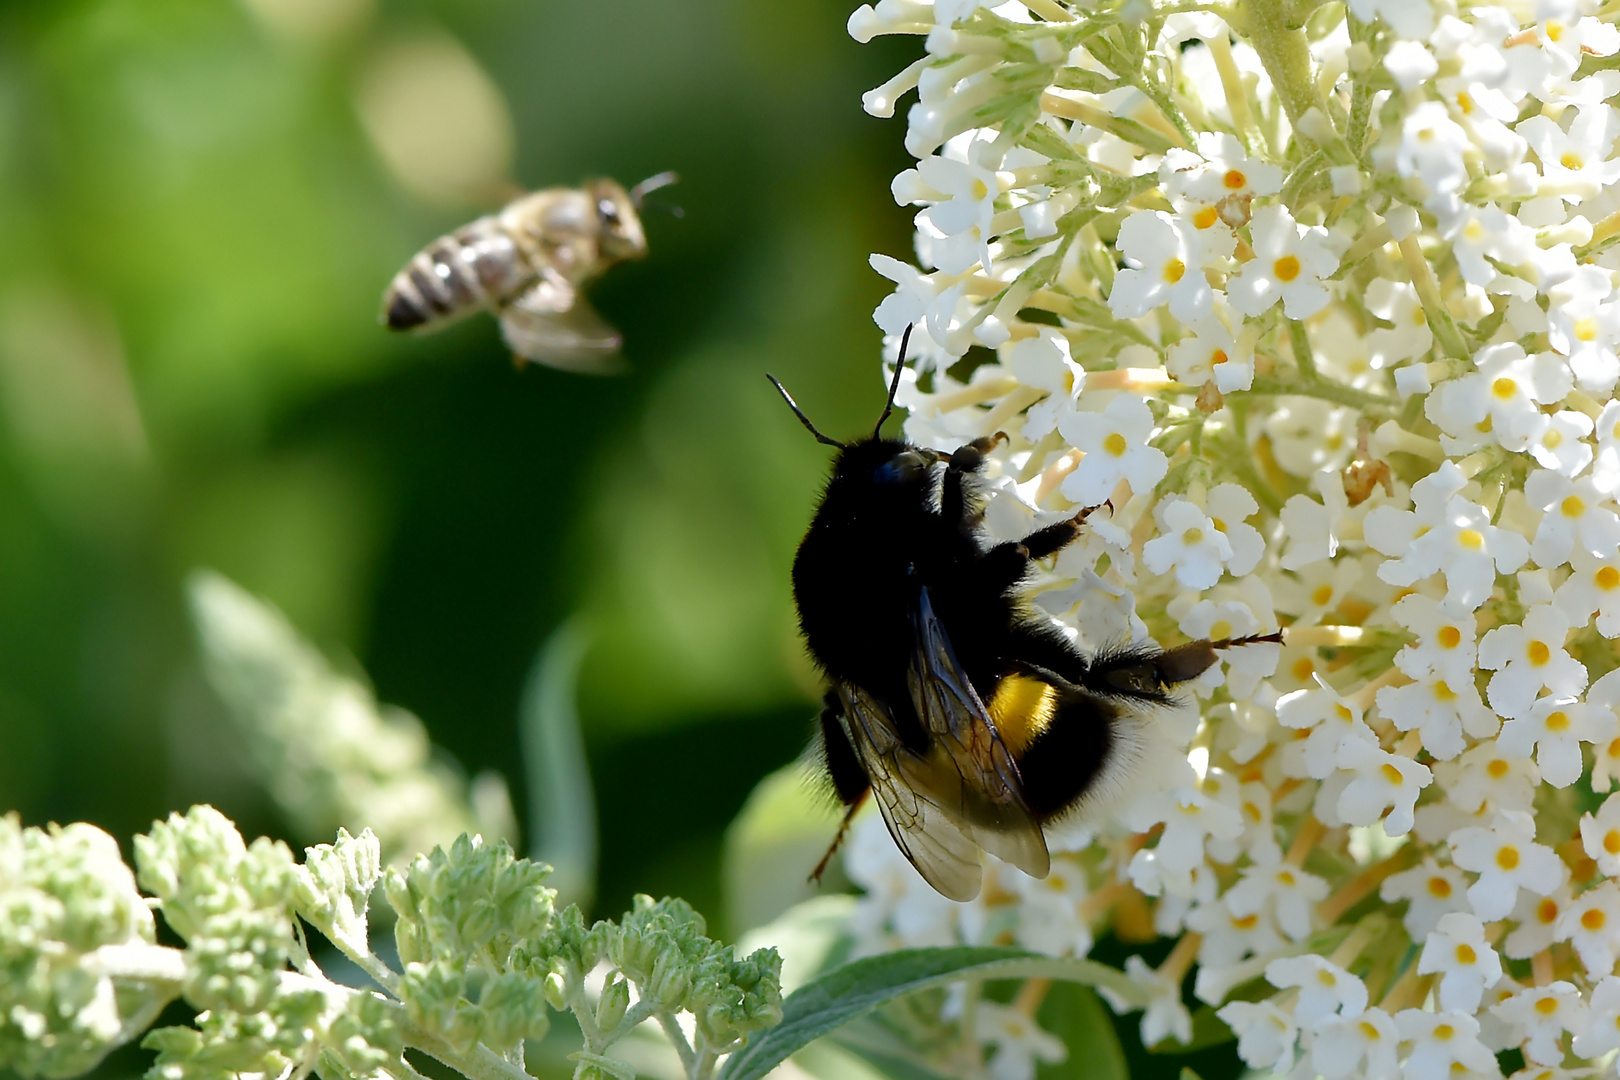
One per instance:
(954,503)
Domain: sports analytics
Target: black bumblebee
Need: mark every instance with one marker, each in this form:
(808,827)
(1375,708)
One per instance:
(973,722)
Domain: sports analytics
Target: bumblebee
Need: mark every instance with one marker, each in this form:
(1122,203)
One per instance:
(528,264)
(972,722)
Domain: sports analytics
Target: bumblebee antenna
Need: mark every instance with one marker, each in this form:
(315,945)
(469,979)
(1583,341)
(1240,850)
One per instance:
(894,384)
(651,184)
(803,419)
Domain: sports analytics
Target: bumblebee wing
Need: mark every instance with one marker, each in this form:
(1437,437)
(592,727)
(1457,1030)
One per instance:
(925,832)
(551,323)
(973,776)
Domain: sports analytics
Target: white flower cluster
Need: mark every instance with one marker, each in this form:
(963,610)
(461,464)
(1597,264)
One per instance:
(1318,304)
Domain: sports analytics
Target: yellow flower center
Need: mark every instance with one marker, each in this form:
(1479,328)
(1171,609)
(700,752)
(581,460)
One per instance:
(1466,954)
(1439,888)
(1173,270)
(1593,918)
(1496,768)
(1547,1006)
(1205,218)
(1573,506)
(1444,693)
(1547,911)
(1390,773)
(1235,179)
(1449,637)
(1538,653)
(1607,577)
(1569,159)
(1115,444)
(1611,841)
(1286,268)
(1192,536)
(1504,388)
(1472,539)
(1553,439)
(1586,328)
(1507,857)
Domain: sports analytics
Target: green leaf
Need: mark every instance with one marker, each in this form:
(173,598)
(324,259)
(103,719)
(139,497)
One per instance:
(562,808)
(1075,1014)
(856,988)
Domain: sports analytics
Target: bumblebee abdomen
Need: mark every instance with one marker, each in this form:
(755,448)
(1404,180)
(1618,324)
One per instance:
(475,267)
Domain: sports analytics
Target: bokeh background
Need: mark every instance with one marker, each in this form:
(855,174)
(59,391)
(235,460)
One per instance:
(200,204)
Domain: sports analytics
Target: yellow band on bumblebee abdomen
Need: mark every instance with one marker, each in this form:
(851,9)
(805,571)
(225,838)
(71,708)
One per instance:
(1021,709)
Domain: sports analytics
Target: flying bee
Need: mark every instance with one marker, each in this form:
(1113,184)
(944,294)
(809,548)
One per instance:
(972,722)
(528,264)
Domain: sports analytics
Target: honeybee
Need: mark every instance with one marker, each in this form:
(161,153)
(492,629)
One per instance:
(972,722)
(528,264)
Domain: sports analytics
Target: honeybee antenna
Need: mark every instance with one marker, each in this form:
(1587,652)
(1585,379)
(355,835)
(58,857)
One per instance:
(894,383)
(651,184)
(803,419)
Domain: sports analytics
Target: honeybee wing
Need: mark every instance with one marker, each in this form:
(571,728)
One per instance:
(551,323)
(925,832)
(974,777)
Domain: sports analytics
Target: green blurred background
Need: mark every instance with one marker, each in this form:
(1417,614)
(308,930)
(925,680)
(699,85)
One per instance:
(200,204)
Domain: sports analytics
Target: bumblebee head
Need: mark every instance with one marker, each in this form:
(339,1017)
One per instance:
(888,408)
(618,224)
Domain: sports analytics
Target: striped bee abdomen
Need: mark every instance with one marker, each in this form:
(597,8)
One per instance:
(474,267)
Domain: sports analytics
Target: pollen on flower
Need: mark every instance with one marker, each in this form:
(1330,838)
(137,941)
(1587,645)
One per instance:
(1507,857)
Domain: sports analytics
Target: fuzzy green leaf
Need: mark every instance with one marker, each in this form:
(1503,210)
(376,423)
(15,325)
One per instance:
(856,988)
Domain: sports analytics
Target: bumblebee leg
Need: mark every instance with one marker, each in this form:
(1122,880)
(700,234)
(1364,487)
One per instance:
(954,502)
(838,837)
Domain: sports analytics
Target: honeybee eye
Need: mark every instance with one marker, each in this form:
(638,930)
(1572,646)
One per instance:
(901,468)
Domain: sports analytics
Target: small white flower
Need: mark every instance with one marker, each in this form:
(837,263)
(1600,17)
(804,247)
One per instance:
(1555,727)
(1601,1032)
(1382,781)
(1543,1014)
(1165,1016)
(1442,709)
(1050,918)
(1445,533)
(1225,171)
(1430,890)
(1189,543)
(1575,164)
(1592,924)
(1326,990)
(1043,362)
(1600,836)
(1606,466)
(1016,1041)
(1115,445)
(1576,513)
(1488,779)
(1561,446)
(1593,587)
(1168,256)
(1432,147)
(1312,527)
(1266,1034)
(1290,261)
(1409,337)
(1331,719)
(1499,401)
(1229,938)
(1364,1045)
(1288,892)
(1507,858)
(1212,352)
(1467,965)
(1444,1045)
(1536,920)
(1529,658)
